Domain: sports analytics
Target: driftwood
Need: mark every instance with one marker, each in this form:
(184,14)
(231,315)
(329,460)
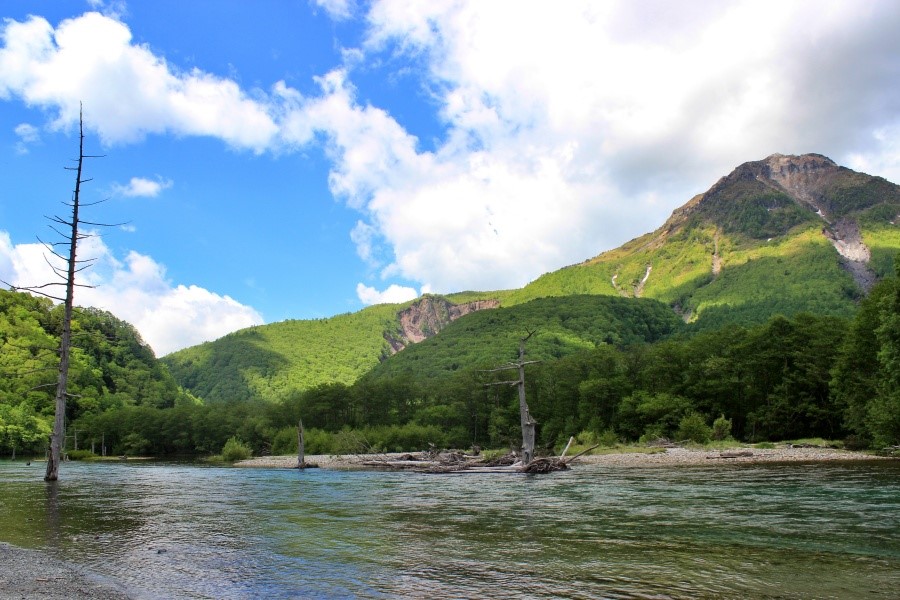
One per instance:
(544,465)
(454,461)
(566,449)
(501,461)
(741,454)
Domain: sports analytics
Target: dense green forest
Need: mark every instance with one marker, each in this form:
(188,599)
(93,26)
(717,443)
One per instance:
(805,376)
(111,368)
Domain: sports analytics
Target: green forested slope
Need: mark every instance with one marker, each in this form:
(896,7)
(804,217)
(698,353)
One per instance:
(746,249)
(270,361)
(110,367)
(561,326)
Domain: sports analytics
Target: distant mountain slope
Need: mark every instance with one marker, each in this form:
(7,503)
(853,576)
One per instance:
(783,235)
(270,361)
(561,327)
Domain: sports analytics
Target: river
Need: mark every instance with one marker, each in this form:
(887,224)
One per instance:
(167,530)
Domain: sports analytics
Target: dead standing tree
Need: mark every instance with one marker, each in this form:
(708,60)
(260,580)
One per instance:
(70,235)
(528,423)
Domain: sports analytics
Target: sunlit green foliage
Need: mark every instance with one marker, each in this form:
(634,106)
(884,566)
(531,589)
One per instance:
(273,361)
(561,327)
(866,376)
(234,450)
(111,367)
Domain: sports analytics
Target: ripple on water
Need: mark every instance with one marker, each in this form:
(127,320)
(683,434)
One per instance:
(787,531)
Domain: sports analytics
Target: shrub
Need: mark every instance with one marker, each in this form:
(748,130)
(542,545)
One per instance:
(651,434)
(285,441)
(608,438)
(80,455)
(694,428)
(235,450)
(721,429)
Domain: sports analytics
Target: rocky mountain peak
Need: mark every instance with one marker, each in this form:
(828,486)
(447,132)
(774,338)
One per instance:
(801,177)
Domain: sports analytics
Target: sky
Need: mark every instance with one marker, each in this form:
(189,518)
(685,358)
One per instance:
(297,159)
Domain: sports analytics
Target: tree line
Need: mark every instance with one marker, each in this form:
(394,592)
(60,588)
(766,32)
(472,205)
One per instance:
(789,378)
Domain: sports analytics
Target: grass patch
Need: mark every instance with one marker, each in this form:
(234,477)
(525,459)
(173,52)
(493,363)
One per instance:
(820,442)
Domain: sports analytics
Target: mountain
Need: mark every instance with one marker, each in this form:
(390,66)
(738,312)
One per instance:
(784,235)
(559,326)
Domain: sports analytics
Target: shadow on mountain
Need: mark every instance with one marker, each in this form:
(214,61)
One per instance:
(224,374)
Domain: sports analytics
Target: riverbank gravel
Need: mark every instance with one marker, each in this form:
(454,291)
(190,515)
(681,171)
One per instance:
(660,457)
(34,575)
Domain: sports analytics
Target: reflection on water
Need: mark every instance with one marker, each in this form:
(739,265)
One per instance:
(170,530)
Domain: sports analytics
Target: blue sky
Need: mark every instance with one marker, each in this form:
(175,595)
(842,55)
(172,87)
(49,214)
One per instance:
(300,159)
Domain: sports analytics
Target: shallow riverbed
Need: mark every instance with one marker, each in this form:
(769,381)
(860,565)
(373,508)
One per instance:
(819,530)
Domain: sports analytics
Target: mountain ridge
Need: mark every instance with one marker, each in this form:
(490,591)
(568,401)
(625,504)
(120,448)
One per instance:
(782,235)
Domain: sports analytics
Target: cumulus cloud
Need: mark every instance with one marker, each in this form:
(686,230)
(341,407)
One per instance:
(143,187)
(568,128)
(127,91)
(136,289)
(394,294)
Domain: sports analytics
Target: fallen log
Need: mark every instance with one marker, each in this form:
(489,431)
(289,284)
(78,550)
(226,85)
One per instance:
(732,454)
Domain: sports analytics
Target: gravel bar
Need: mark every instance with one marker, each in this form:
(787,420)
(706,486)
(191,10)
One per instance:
(665,456)
(33,574)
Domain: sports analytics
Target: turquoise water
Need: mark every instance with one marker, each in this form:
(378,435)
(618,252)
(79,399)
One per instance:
(184,531)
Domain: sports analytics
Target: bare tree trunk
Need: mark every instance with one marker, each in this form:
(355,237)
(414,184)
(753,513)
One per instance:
(57,438)
(301,446)
(528,424)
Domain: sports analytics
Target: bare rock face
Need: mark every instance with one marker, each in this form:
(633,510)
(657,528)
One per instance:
(805,179)
(427,316)
(801,177)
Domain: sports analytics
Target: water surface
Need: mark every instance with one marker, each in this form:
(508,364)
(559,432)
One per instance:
(737,531)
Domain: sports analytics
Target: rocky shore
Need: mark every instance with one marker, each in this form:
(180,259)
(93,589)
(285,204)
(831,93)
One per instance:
(31,574)
(652,458)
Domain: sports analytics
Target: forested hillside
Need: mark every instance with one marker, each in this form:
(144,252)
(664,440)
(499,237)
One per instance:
(111,367)
(780,236)
(788,378)
(561,326)
(271,361)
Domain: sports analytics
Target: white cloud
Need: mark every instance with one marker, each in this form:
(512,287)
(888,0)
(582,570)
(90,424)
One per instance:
(570,127)
(394,294)
(339,10)
(127,91)
(142,187)
(363,236)
(169,317)
(116,9)
(28,135)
